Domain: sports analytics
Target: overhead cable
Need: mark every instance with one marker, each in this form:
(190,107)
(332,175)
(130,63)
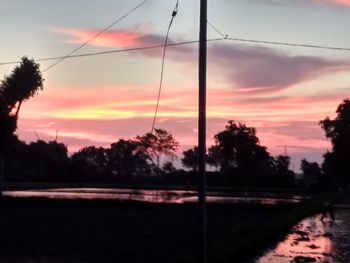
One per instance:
(185,43)
(287,44)
(96,35)
(174,13)
(217,30)
(115,51)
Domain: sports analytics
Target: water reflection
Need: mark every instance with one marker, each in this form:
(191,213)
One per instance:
(314,241)
(154,196)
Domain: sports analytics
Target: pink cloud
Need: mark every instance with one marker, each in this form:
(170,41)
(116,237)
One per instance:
(255,69)
(260,68)
(111,38)
(265,69)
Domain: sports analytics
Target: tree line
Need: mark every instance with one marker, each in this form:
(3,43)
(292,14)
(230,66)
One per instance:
(236,158)
(144,159)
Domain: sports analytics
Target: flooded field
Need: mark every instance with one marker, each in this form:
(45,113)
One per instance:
(313,240)
(154,196)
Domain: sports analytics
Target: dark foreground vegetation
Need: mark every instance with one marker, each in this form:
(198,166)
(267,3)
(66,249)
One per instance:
(40,230)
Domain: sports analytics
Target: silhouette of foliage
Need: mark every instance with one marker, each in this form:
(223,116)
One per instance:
(237,149)
(169,168)
(90,160)
(126,159)
(338,131)
(156,144)
(284,175)
(24,82)
(191,158)
(214,156)
(313,177)
(311,171)
(37,160)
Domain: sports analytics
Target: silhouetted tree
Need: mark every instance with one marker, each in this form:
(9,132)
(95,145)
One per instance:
(90,161)
(24,82)
(47,159)
(338,130)
(126,159)
(169,168)
(327,167)
(237,149)
(214,157)
(313,176)
(311,171)
(37,160)
(156,144)
(284,175)
(15,160)
(190,158)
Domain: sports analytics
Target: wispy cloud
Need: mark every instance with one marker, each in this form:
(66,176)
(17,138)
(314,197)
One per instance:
(243,66)
(267,69)
(255,68)
(127,102)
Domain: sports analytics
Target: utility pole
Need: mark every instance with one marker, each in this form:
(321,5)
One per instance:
(202,74)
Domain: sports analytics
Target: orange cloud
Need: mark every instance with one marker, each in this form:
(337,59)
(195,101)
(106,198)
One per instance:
(125,102)
(85,117)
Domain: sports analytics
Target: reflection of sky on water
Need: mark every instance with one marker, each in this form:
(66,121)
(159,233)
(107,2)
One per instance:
(314,240)
(308,239)
(154,196)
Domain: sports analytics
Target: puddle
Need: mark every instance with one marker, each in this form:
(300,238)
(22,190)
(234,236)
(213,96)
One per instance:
(314,241)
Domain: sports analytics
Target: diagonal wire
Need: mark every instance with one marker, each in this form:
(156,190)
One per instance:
(96,35)
(217,30)
(163,60)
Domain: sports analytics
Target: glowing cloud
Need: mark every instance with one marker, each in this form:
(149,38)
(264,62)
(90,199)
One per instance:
(111,38)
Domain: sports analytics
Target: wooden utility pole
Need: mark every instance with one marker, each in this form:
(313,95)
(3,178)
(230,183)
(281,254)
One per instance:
(202,126)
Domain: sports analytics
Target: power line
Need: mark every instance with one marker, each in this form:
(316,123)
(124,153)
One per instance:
(217,30)
(115,51)
(184,43)
(288,44)
(96,35)
(226,36)
(174,13)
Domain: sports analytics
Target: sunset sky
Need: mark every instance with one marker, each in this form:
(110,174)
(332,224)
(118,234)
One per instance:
(282,91)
